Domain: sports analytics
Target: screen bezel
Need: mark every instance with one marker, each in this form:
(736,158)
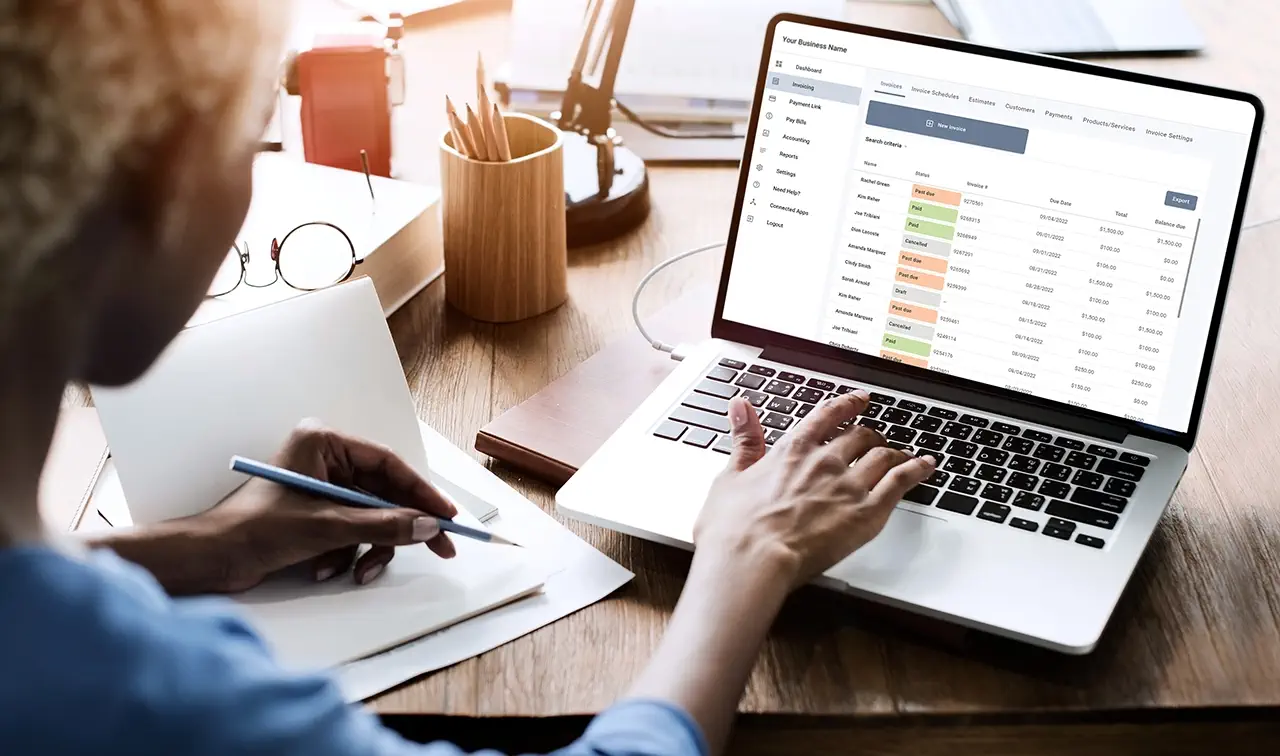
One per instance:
(760,337)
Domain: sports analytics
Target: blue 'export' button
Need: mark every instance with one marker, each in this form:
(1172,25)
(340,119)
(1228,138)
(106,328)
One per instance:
(1184,201)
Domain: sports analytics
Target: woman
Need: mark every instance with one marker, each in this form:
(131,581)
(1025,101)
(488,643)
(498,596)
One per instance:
(126,146)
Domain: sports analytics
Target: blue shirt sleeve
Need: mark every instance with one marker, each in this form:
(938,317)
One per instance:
(97,643)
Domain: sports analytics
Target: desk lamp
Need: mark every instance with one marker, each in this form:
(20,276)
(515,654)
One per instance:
(606,185)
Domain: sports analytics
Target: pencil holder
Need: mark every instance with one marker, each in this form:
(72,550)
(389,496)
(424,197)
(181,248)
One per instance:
(504,226)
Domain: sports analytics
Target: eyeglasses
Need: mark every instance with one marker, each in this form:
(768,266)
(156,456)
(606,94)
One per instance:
(312,256)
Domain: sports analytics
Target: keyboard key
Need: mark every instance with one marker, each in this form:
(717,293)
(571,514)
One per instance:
(954,502)
(996,492)
(1086,515)
(1023,481)
(975,421)
(778,404)
(962,449)
(725,445)
(845,389)
(939,478)
(944,413)
(895,416)
(881,398)
(930,441)
(767,372)
(874,425)
(991,473)
(1022,524)
(779,388)
(922,494)
(708,403)
(996,513)
(964,485)
(809,395)
(732,363)
(755,398)
(722,374)
(1134,459)
(900,434)
(926,423)
(1055,489)
(1028,500)
(1036,435)
(790,377)
(959,466)
(1105,452)
(1081,460)
(701,419)
(1074,444)
(1018,445)
(804,410)
(956,430)
(1057,472)
(716,389)
(987,438)
(1024,464)
(1046,452)
(670,431)
(992,456)
(1087,479)
(1054,531)
(821,385)
(938,457)
(872,410)
(910,406)
(1119,487)
(900,446)
(777,421)
(832,395)
(699,437)
(1061,523)
(1006,428)
(1109,502)
(1121,470)
(774,437)
(1089,540)
(751,381)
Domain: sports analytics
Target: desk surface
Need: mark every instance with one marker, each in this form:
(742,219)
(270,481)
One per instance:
(1198,627)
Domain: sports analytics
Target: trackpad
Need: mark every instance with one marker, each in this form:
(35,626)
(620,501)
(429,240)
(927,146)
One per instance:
(913,547)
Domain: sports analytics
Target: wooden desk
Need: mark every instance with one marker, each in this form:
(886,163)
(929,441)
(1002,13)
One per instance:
(1192,654)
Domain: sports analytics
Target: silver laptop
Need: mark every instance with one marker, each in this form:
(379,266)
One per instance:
(1023,259)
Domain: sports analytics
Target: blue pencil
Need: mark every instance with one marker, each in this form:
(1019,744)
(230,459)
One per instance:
(325,490)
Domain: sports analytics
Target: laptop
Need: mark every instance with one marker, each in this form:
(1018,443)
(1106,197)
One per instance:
(1076,27)
(1023,259)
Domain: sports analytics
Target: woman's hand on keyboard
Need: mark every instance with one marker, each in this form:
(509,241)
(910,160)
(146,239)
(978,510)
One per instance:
(819,494)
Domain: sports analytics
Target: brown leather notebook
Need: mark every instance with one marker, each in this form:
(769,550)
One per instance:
(552,434)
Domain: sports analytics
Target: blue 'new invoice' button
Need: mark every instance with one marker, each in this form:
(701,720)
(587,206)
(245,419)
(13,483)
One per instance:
(1177,199)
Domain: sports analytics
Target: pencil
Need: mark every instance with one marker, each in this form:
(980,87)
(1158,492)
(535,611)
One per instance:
(485,110)
(500,127)
(364,162)
(325,490)
(462,139)
(477,134)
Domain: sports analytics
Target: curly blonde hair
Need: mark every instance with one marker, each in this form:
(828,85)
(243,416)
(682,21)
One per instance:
(87,85)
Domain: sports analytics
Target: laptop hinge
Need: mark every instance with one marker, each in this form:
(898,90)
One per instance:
(978,400)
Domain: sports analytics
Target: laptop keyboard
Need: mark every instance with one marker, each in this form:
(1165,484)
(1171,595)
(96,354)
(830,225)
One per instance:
(1032,480)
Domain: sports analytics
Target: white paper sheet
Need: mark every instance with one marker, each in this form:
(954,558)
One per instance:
(578,576)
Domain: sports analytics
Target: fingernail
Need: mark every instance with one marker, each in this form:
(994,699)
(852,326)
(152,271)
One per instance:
(371,575)
(737,414)
(929,460)
(862,394)
(425,528)
(325,573)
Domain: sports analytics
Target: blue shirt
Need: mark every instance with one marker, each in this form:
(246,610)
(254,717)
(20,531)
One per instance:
(96,658)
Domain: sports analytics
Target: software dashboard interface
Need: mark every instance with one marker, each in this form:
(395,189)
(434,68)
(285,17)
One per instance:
(1043,231)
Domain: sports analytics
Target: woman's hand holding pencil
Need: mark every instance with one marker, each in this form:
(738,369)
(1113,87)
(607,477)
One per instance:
(483,135)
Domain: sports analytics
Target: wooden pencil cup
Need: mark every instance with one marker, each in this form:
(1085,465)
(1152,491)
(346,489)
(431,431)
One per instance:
(504,225)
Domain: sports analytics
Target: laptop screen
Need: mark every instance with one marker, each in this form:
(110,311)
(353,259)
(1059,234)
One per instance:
(1044,231)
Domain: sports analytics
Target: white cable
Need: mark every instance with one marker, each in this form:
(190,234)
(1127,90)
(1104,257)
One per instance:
(662,346)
